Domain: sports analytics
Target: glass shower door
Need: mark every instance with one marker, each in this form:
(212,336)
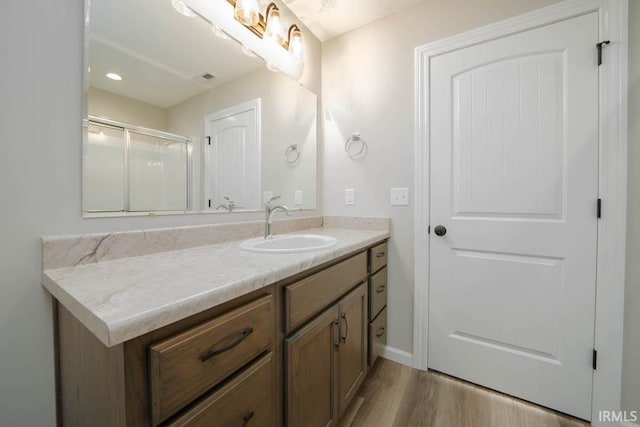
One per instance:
(157,173)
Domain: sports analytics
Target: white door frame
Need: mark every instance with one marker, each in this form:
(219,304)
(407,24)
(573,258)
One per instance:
(255,105)
(610,277)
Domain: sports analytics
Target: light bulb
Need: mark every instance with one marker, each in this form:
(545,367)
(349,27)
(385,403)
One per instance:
(296,48)
(274,29)
(247,12)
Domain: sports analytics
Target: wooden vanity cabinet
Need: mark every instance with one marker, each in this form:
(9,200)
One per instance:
(293,353)
(326,362)
(352,352)
(378,290)
(160,378)
(326,359)
(311,356)
(184,366)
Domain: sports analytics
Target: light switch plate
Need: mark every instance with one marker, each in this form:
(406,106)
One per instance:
(349,196)
(400,196)
(297,196)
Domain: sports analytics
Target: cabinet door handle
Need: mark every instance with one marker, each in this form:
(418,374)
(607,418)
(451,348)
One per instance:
(213,353)
(380,254)
(337,325)
(247,418)
(380,332)
(346,327)
(380,289)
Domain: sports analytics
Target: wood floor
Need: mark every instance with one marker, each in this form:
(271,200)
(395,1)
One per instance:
(394,395)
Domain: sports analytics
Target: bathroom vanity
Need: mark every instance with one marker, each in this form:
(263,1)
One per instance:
(237,339)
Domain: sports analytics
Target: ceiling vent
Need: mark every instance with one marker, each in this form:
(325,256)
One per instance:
(208,76)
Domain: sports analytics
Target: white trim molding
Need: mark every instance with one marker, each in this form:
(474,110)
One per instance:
(397,355)
(609,309)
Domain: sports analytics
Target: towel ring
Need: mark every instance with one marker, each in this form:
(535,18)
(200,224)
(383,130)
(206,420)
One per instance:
(349,143)
(292,154)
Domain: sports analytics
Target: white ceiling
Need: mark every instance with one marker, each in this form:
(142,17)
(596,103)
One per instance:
(330,18)
(159,53)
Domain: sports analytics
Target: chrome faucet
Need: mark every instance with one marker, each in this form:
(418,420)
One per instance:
(268,217)
(229,207)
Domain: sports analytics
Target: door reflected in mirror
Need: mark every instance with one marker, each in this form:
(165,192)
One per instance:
(181,120)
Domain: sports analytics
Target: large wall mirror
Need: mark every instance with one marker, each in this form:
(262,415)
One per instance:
(181,119)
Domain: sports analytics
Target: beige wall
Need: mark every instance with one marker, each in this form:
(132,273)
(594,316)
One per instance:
(368,85)
(288,112)
(115,107)
(631,370)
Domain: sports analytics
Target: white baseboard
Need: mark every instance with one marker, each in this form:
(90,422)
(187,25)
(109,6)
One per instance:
(396,355)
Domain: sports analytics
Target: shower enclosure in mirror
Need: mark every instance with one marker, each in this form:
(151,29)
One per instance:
(179,119)
(134,169)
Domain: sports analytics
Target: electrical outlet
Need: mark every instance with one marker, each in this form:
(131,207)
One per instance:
(400,196)
(349,196)
(297,196)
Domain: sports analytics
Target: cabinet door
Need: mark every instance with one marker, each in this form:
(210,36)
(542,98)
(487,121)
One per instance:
(352,356)
(310,361)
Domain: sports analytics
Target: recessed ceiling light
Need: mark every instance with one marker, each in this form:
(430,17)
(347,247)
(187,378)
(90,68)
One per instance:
(182,8)
(114,76)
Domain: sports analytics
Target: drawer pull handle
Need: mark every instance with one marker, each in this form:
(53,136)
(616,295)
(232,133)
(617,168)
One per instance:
(247,418)
(346,328)
(213,353)
(380,254)
(380,289)
(380,332)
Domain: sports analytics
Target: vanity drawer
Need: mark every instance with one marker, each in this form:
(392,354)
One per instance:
(309,296)
(247,400)
(377,257)
(377,292)
(184,366)
(377,336)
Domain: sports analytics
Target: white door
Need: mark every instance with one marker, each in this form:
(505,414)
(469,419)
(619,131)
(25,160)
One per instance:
(232,158)
(514,168)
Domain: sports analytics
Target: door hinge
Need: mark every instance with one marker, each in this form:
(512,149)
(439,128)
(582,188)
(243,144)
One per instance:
(209,202)
(599,46)
(595,359)
(209,140)
(599,208)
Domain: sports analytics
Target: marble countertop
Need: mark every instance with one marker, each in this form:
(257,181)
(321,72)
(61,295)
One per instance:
(122,299)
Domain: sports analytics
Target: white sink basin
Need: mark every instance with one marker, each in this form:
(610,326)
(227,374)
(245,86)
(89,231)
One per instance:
(288,243)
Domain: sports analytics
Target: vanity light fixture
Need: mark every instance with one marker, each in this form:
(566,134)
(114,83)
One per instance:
(247,12)
(274,30)
(182,8)
(296,48)
(270,25)
(282,46)
(114,76)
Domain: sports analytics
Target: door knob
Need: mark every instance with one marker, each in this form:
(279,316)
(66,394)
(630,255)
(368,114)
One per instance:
(440,230)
